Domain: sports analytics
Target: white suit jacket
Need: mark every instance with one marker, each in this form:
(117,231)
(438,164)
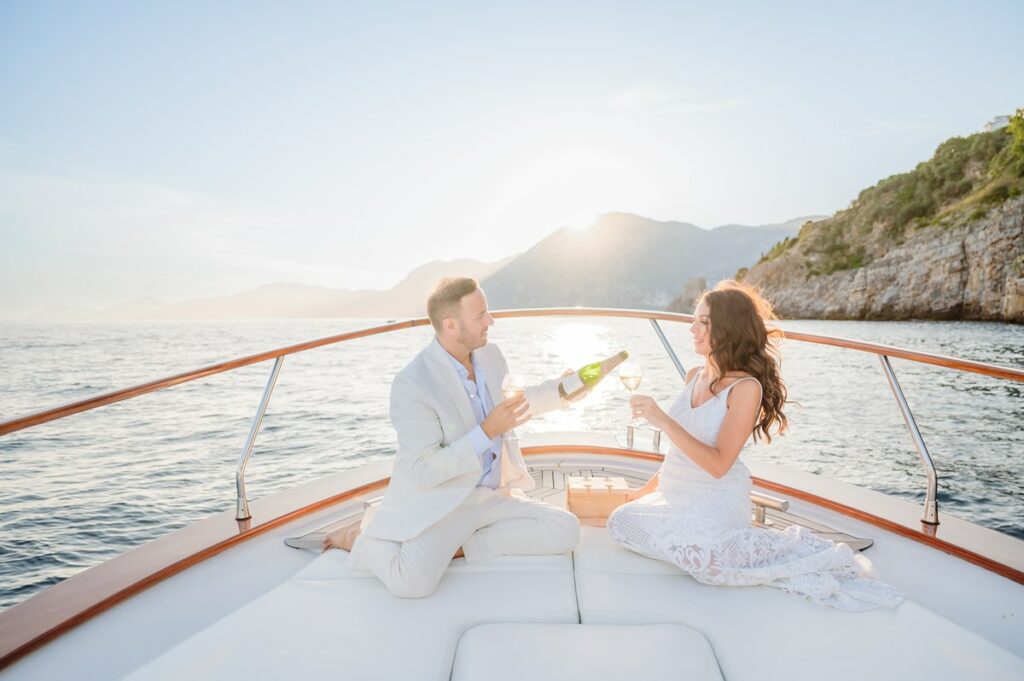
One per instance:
(437,466)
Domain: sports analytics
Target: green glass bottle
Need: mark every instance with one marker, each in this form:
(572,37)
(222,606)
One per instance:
(573,385)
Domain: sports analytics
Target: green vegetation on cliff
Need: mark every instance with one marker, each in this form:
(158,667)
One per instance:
(964,179)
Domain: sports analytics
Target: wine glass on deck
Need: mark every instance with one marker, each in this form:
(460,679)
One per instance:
(631,373)
(513,385)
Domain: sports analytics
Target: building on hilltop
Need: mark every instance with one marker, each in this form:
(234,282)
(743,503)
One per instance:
(996,123)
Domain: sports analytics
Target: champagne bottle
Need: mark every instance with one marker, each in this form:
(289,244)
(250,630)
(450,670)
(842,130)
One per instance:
(573,385)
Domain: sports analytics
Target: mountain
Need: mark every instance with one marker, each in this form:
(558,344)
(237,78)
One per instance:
(626,260)
(408,297)
(622,260)
(943,241)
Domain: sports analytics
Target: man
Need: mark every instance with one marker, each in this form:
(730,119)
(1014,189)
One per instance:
(456,487)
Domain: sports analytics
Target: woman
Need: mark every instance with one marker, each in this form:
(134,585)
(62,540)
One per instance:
(695,512)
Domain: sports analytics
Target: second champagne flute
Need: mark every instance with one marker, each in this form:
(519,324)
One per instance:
(631,373)
(513,385)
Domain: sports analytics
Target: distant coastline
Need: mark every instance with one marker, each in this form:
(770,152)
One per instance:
(622,260)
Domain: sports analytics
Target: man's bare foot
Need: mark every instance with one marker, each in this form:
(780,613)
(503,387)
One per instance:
(343,537)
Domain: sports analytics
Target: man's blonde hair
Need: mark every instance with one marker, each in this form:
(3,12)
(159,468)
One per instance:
(444,300)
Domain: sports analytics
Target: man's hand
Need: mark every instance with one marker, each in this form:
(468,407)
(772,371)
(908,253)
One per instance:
(515,411)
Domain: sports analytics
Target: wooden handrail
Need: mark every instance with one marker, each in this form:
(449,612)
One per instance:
(22,422)
(945,361)
(153,386)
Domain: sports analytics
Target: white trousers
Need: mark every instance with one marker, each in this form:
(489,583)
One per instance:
(488,523)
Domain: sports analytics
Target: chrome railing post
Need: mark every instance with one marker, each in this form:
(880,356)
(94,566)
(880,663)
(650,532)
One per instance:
(931,504)
(668,348)
(242,506)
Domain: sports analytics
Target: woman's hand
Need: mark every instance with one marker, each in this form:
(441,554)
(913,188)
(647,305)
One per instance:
(646,408)
(651,486)
(634,494)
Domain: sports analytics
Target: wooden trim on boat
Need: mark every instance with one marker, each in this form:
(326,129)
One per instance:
(45,416)
(993,370)
(928,536)
(52,612)
(537,450)
(144,388)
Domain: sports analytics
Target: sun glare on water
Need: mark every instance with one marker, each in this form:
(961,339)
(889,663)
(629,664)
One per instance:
(577,344)
(573,345)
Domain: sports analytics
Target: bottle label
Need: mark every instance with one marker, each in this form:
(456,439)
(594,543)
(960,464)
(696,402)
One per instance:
(571,384)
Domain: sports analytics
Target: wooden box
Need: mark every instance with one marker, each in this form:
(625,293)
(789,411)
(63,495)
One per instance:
(593,499)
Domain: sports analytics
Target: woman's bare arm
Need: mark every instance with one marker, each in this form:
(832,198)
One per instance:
(744,402)
(651,486)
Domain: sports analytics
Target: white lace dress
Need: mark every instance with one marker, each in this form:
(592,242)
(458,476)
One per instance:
(702,525)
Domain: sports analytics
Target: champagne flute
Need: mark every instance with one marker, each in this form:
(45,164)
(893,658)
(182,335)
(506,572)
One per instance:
(513,385)
(631,373)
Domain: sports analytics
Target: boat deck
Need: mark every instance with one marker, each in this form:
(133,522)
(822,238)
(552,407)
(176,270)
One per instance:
(600,605)
(264,610)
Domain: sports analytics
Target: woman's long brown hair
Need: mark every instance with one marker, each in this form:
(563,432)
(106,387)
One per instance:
(741,340)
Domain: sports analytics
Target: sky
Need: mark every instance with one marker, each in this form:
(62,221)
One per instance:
(183,149)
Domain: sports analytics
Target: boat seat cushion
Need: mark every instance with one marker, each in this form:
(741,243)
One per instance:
(764,633)
(560,652)
(331,565)
(351,627)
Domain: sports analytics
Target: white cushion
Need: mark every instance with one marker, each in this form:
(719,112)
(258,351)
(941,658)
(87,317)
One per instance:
(602,554)
(331,565)
(351,628)
(562,652)
(764,633)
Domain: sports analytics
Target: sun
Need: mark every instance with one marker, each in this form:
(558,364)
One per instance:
(568,187)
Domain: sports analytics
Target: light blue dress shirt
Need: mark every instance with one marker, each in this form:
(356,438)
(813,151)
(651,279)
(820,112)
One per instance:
(489,451)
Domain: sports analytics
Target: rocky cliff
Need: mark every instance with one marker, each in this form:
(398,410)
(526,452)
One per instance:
(944,241)
(971,271)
